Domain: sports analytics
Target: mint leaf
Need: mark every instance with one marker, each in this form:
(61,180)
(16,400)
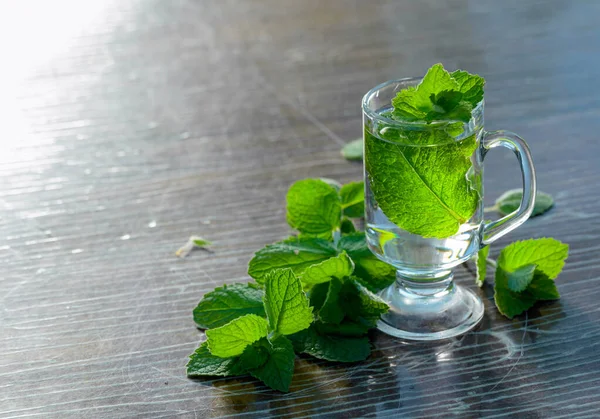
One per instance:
(510,200)
(231,339)
(203,363)
(518,280)
(375,274)
(347,226)
(413,104)
(353,199)
(331,348)
(255,355)
(286,304)
(278,369)
(360,304)
(423,190)
(470,85)
(547,254)
(481,263)
(313,207)
(353,150)
(448,105)
(510,303)
(338,266)
(331,311)
(542,287)
(228,302)
(294,253)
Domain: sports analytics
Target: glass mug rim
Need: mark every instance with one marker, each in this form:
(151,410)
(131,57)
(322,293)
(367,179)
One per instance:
(411,125)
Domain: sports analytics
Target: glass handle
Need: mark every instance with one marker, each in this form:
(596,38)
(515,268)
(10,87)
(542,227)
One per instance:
(496,229)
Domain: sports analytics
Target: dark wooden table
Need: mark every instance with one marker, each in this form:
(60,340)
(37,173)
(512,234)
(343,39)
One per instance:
(126,126)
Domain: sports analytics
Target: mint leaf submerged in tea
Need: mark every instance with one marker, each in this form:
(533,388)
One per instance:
(423,190)
(421,173)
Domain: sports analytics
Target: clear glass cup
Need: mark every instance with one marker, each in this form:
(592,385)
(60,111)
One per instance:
(425,304)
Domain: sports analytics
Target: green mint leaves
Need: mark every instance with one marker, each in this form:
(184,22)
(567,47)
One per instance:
(481,265)
(286,304)
(423,190)
(295,253)
(252,344)
(353,150)
(231,339)
(441,96)
(278,369)
(313,207)
(510,200)
(525,273)
(228,302)
(314,293)
(421,175)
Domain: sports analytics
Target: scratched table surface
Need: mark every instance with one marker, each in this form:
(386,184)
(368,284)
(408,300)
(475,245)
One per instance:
(126,126)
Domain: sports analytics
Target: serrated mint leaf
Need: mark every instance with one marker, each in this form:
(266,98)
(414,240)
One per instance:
(203,363)
(278,369)
(359,303)
(331,347)
(470,85)
(231,339)
(353,150)
(338,266)
(413,104)
(294,253)
(520,278)
(228,302)
(353,199)
(449,105)
(255,355)
(331,311)
(286,305)
(375,274)
(481,264)
(547,254)
(423,190)
(317,294)
(313,207)
(542,287)
(510,303)
(347,226)
(510,200)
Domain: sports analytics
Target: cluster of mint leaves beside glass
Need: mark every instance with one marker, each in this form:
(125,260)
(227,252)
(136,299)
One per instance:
(314,293)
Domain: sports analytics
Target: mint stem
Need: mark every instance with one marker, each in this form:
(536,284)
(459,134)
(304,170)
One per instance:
(491,262)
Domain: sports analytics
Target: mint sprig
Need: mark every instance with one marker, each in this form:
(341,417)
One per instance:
(313,295)
(525,274)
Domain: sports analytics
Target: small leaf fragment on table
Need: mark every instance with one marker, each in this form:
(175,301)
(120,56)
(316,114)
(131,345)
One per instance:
(353,150)
(193,241)
(481,263)
(510,200)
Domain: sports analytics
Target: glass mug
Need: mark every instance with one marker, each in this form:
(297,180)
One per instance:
(424,302)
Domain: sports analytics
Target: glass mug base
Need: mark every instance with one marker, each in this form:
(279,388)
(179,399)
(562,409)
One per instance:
(429,310)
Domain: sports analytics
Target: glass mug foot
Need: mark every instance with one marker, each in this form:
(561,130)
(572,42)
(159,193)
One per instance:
(429,310)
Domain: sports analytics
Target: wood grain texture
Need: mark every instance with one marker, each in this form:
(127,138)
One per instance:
(127,126)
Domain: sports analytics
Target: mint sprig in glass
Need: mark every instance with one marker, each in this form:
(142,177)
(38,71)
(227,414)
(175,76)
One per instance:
(424,149)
